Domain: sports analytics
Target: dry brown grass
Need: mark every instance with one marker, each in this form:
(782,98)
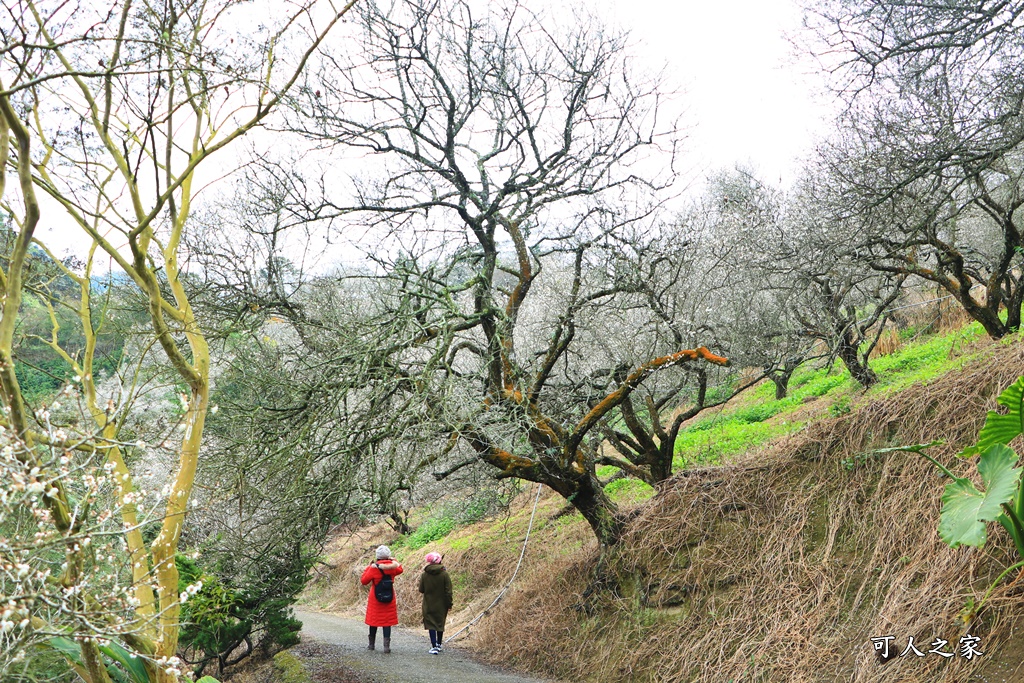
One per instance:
(781,567)
(951,316)
(888,343)
(937,314)
(480,560)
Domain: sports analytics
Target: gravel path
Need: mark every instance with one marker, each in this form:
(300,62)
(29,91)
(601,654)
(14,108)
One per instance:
(409,661)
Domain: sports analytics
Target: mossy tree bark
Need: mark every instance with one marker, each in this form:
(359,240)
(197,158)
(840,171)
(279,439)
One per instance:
(157,106)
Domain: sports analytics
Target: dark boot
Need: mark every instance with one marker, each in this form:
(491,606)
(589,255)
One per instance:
(387,646)
(372,637)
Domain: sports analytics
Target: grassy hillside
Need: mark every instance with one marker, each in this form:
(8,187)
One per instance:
(757,417)
(776,555)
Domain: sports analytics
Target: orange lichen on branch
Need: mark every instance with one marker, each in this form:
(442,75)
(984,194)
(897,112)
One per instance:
(632,382)
(515,300)
(545,433)
(509,462)
(544,428)
(510,393)
(702,353)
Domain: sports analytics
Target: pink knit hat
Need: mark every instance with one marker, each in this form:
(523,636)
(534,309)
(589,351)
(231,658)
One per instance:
(433,558)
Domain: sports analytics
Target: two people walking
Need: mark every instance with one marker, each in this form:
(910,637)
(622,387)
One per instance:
(382,606)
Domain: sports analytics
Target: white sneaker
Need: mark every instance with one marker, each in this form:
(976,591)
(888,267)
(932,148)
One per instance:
(434,651)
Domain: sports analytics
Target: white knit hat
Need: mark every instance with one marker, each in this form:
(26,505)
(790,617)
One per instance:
(383,553)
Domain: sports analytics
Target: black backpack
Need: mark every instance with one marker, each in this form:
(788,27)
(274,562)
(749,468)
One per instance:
(384,590)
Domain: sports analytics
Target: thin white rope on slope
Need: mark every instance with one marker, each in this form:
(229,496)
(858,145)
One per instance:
(536,500)
(519,564)
(905,306)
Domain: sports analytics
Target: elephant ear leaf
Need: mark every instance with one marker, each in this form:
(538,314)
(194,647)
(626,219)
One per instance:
(136,671)
(965,509)
(1001,429)
(130,661)
(72,652)
(67,647)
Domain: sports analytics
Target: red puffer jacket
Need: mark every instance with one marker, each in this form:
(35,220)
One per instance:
(381,613)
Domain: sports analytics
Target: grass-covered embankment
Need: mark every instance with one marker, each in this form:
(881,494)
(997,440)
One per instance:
(779,564)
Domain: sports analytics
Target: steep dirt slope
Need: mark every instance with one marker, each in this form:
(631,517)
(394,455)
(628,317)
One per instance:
(783,566)
(779,567)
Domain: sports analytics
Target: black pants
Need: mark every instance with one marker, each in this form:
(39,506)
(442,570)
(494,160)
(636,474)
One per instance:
(387,631)
(436,637)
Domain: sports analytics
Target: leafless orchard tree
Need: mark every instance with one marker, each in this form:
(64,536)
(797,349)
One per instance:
(753,309)
(928,166)
(307,387)
(840,302)
(806,261)
(505,148)
(109,112)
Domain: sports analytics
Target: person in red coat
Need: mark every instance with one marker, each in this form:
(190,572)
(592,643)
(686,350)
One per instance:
(383,614)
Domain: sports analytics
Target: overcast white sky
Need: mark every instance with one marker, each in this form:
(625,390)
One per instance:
(746,95)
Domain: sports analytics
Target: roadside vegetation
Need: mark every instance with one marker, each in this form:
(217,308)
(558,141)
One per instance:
(811,521)
(458,260)
(757,416)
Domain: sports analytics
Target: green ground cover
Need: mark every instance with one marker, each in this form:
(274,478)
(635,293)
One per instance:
(757,417)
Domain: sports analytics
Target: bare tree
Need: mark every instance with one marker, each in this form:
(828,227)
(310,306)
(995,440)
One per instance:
(754,306)
(807,261)
(928,167)
(506,148)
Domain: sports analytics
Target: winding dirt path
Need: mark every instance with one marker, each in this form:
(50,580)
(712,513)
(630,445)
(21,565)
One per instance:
(409,661)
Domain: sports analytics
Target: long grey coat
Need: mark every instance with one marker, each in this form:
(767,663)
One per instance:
(437,596)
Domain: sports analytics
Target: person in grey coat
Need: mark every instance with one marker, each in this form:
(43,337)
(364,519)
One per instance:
(436,587)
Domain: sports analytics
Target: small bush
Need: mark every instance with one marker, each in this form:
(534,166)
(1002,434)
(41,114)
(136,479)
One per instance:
(431,530)
(220,616)
(628,490)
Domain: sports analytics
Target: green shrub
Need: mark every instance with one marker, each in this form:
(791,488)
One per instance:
(431,530)
(219,617)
